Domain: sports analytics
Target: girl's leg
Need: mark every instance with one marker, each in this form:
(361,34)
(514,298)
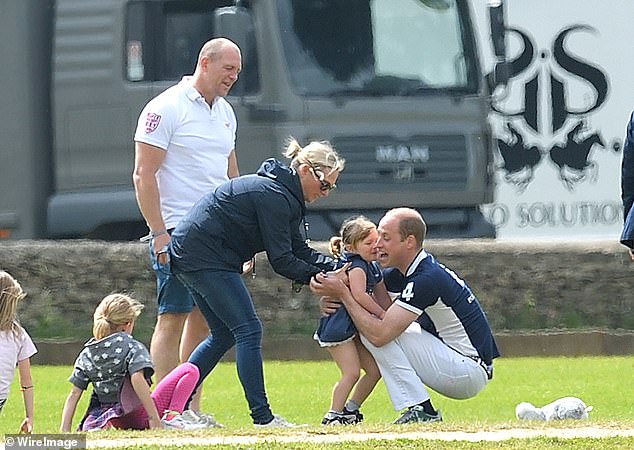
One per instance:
(347,359)
(370,378)
(170,394)
(173,391)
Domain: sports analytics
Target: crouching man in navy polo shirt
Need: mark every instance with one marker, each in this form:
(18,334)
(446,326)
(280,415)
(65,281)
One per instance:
(435,334)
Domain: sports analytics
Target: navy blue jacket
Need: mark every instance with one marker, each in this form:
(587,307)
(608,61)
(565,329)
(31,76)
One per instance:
(627,185)
(244,216)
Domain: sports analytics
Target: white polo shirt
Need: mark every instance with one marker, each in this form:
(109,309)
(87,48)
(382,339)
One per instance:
(197,139)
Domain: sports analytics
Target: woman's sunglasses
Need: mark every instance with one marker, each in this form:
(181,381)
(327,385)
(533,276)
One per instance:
(324,185)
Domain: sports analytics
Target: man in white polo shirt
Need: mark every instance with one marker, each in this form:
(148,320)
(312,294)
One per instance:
(184,148)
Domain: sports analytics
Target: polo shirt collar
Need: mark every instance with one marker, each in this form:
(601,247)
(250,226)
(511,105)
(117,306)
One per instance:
(190,91)
(414,264)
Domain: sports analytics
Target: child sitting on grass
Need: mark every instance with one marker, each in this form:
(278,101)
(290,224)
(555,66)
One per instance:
(119,369)
(17,348)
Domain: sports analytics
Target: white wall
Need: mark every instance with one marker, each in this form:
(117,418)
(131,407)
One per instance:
(535,199)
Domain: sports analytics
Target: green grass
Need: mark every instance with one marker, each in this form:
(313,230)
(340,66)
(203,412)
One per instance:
(300,391)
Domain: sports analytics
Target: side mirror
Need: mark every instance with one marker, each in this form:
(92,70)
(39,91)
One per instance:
(236,23)
(497,23)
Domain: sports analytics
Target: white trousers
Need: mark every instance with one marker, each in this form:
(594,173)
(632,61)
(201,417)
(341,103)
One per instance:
(417,359)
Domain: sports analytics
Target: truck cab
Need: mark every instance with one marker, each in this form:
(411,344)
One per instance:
(395,85)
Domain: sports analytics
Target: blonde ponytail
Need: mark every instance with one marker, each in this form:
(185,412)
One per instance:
(318,154)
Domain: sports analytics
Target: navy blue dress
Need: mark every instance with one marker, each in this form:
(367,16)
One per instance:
(338,328)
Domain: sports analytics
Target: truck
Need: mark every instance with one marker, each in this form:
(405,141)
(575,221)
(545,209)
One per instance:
(395,85)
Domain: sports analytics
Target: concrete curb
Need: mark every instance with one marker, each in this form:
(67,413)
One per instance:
(288,348)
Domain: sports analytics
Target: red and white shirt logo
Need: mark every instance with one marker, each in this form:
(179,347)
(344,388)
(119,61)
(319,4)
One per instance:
(151,122)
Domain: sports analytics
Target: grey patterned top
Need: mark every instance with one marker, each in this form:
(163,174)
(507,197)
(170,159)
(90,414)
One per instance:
(105,363)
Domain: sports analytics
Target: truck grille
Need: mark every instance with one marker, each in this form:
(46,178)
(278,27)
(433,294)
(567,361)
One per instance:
(380,163)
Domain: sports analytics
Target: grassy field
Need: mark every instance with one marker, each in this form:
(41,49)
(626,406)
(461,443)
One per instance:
(300,391)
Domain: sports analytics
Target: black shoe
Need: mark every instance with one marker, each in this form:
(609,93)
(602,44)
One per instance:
(338,419)
(416,414)
(358,417)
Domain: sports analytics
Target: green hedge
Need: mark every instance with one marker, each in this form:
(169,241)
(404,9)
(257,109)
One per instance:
(521,285)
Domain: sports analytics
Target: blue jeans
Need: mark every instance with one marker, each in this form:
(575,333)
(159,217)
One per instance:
(172,296)
(224,300)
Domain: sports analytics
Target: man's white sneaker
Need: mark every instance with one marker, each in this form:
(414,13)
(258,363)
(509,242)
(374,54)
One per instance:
(174,421)
(200,417)
(277,422)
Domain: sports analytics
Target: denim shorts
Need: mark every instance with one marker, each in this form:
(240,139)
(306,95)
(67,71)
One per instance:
(173,297)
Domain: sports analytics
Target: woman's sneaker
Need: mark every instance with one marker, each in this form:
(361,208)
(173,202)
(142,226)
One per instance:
(172,420)
(277,422)
(200,417)
(334,419)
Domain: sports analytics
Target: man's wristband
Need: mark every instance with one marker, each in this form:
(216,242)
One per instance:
(154,234)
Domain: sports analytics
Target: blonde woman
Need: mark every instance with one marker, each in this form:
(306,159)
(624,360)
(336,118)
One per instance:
(17,348)
(119,368)
(244,216)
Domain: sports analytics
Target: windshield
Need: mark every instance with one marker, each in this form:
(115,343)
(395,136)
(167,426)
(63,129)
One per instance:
(377,47)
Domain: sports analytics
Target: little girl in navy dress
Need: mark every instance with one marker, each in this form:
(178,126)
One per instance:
(336,332)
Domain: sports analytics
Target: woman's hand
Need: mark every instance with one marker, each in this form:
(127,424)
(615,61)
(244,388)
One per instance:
(341,274)
(327,285)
